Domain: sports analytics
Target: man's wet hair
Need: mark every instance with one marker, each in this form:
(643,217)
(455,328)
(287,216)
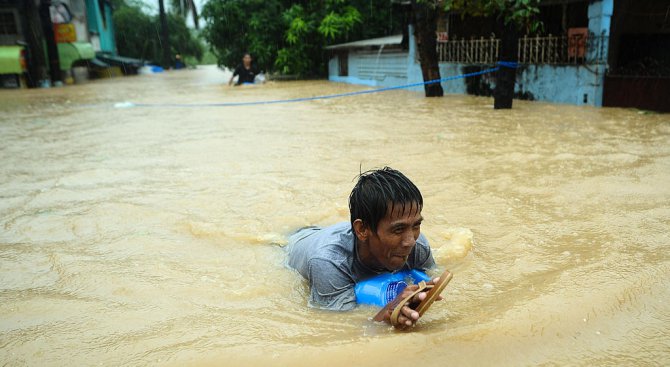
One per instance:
(380,191)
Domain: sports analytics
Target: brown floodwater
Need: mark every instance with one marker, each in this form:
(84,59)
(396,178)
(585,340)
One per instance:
(152,236)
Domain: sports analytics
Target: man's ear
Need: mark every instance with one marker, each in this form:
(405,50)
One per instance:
(361,230)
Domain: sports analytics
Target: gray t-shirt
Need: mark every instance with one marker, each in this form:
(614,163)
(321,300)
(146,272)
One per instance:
(327,258)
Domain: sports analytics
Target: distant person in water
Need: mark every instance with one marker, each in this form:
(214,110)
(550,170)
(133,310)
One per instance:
(382,236)
(178,62)
(245,72)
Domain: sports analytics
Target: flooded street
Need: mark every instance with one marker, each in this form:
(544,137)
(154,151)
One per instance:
(151,235)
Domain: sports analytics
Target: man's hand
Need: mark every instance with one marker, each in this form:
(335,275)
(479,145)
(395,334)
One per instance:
(408,317)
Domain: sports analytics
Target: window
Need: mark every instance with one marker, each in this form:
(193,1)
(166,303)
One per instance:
(8,26)
(60,13)
(77,7)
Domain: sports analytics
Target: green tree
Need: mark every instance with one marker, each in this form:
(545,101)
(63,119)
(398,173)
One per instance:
(184,8)
(233,27)
(137,34)
(521,14)
(182,39)
(309,28)
(290,36)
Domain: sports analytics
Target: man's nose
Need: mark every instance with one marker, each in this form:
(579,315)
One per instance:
(408,240)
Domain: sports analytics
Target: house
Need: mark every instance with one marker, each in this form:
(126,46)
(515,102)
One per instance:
(83,33)
(22,35)
(373,62)
(639,55)
(570,63)
(107,62)
(100,26)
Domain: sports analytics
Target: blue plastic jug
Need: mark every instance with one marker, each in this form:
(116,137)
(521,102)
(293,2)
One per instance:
(384,288)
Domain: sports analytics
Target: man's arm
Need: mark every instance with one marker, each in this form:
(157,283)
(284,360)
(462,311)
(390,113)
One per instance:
(235,73)
(331,287)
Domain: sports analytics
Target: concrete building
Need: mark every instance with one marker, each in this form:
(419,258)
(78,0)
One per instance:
(99,26)
(569,66)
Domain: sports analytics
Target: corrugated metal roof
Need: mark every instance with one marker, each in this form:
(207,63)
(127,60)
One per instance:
(372,42)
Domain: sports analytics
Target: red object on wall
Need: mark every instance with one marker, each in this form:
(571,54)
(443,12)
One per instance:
(577,41)
(22,60)
(65,33)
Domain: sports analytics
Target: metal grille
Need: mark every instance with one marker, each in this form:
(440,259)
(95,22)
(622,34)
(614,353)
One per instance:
(563,50)
(476,51)
(554,50)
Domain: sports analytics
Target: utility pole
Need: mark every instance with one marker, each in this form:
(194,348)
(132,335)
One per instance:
(32,28)
(50,39)
(165,41)
(503,94)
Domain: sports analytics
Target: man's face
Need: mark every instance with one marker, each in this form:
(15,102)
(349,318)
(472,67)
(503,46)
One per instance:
(246,60)
(396,236)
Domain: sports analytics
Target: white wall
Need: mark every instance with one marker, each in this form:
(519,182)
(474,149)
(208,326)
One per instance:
(372,68)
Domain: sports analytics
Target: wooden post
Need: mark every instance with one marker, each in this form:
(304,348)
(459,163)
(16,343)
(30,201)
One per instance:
(32,28)
(50,40)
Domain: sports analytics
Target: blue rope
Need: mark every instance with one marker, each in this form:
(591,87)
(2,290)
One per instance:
(509,64)
(328,96)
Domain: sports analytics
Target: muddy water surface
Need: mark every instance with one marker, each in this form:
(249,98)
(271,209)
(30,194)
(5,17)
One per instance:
(148,236)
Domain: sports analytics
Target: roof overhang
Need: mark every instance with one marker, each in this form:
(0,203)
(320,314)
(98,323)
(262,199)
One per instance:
(372,43)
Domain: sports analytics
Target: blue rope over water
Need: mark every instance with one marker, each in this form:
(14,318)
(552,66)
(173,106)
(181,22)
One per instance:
(506,64)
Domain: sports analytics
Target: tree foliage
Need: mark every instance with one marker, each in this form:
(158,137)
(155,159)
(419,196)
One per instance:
(519,13)
(186,8)
(290,36)
(238,26)
(137,34)
(309,28)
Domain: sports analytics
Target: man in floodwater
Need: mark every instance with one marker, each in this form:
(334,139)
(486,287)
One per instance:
(383,236)
(246,72)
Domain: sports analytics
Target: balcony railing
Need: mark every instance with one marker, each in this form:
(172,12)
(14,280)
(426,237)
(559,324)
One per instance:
(552,50)
(474,51)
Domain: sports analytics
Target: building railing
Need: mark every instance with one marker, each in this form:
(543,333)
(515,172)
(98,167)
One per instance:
(552,50)
(474,51)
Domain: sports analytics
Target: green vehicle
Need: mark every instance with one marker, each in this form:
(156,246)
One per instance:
(13,66)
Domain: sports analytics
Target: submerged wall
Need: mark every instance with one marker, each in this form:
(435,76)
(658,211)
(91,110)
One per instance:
(571,84)
(579,85)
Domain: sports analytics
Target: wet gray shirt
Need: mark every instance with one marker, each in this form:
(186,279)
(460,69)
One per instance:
(327,258)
